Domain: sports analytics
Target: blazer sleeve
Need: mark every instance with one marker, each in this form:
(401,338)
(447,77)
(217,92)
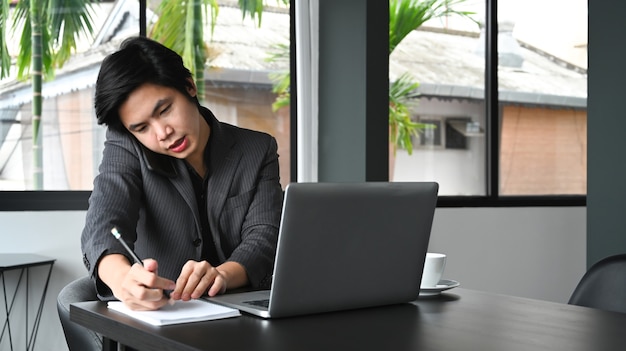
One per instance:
(249,219)
(114,201)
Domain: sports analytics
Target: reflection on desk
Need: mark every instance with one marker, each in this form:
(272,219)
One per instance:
(458,320)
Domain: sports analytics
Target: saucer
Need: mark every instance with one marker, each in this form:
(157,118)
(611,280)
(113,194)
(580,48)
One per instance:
(443,285)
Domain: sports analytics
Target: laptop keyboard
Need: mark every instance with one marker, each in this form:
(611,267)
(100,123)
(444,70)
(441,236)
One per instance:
(262,303)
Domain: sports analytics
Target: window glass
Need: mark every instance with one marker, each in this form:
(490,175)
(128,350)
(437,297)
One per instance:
(245,62)
(60,149)
(238,90)
(542,119)
(543,89)
(445,56)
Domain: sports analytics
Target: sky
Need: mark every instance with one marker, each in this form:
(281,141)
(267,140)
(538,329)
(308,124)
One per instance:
(558,27)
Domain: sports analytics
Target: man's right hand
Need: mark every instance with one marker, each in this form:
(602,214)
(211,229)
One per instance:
(139,287)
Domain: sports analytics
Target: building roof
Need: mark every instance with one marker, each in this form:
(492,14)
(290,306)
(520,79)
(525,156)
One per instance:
(447,65)
(453,65)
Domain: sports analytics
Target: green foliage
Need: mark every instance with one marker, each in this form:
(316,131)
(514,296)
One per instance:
(407,15)
(60,21)
(180,28)
(254,8)
(68,19)
(282,80)
(5,58)
(401,127)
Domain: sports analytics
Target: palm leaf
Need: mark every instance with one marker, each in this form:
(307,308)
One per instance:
(401,127)
(254,8)
(281,80)
(62,21)
(5,58)
(180,27)
(407,15)
(67,20)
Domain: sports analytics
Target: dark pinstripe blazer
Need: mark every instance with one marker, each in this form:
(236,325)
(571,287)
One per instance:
(150,198)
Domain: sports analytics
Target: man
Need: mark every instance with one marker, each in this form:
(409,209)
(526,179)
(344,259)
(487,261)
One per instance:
(198,200)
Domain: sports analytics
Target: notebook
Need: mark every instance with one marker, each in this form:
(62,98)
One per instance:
(180,312)
(345,246)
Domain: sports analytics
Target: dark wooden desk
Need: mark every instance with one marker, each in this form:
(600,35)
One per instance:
(458,320)
(23,262)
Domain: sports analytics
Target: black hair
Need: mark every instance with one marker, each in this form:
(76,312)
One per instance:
(139,60)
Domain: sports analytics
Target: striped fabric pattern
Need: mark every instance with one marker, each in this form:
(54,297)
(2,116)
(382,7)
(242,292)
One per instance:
(150,199)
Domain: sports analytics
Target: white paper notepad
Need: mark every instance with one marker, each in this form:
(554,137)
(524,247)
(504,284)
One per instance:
(180,312)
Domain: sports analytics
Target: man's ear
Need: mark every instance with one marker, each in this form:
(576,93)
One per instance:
(191,88)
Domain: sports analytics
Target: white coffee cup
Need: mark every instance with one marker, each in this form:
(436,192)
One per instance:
(433,269)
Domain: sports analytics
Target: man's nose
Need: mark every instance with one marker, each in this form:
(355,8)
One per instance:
(163,131)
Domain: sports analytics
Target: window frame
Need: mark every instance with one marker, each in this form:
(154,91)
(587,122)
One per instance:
(78,200)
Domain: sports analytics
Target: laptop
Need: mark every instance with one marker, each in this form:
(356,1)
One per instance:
(345,246)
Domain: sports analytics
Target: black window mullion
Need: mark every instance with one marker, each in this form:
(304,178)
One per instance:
(44,200)
(491,100)
(293,95)
(142,18)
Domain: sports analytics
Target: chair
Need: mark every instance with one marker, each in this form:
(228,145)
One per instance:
(603,286)
(78,338)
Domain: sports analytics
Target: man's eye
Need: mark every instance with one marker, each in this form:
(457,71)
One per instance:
(167,108)
(140,129)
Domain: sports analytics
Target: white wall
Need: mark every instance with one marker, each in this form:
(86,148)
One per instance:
(529,252)
(53,234)
(538,253)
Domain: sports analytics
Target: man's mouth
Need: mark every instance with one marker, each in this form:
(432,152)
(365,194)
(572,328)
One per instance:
(179,145)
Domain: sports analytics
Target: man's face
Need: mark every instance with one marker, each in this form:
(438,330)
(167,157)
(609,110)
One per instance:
(164,120)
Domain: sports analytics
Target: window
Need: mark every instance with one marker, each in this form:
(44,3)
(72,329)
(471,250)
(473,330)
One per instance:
(514,140)
(534,142)
(543,113)
(445,55)
(237,89)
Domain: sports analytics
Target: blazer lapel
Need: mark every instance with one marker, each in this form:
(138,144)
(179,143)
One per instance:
(178,174)
(224,158)
(185,188)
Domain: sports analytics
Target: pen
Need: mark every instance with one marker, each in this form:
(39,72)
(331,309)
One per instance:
(132,253)
(119,238)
